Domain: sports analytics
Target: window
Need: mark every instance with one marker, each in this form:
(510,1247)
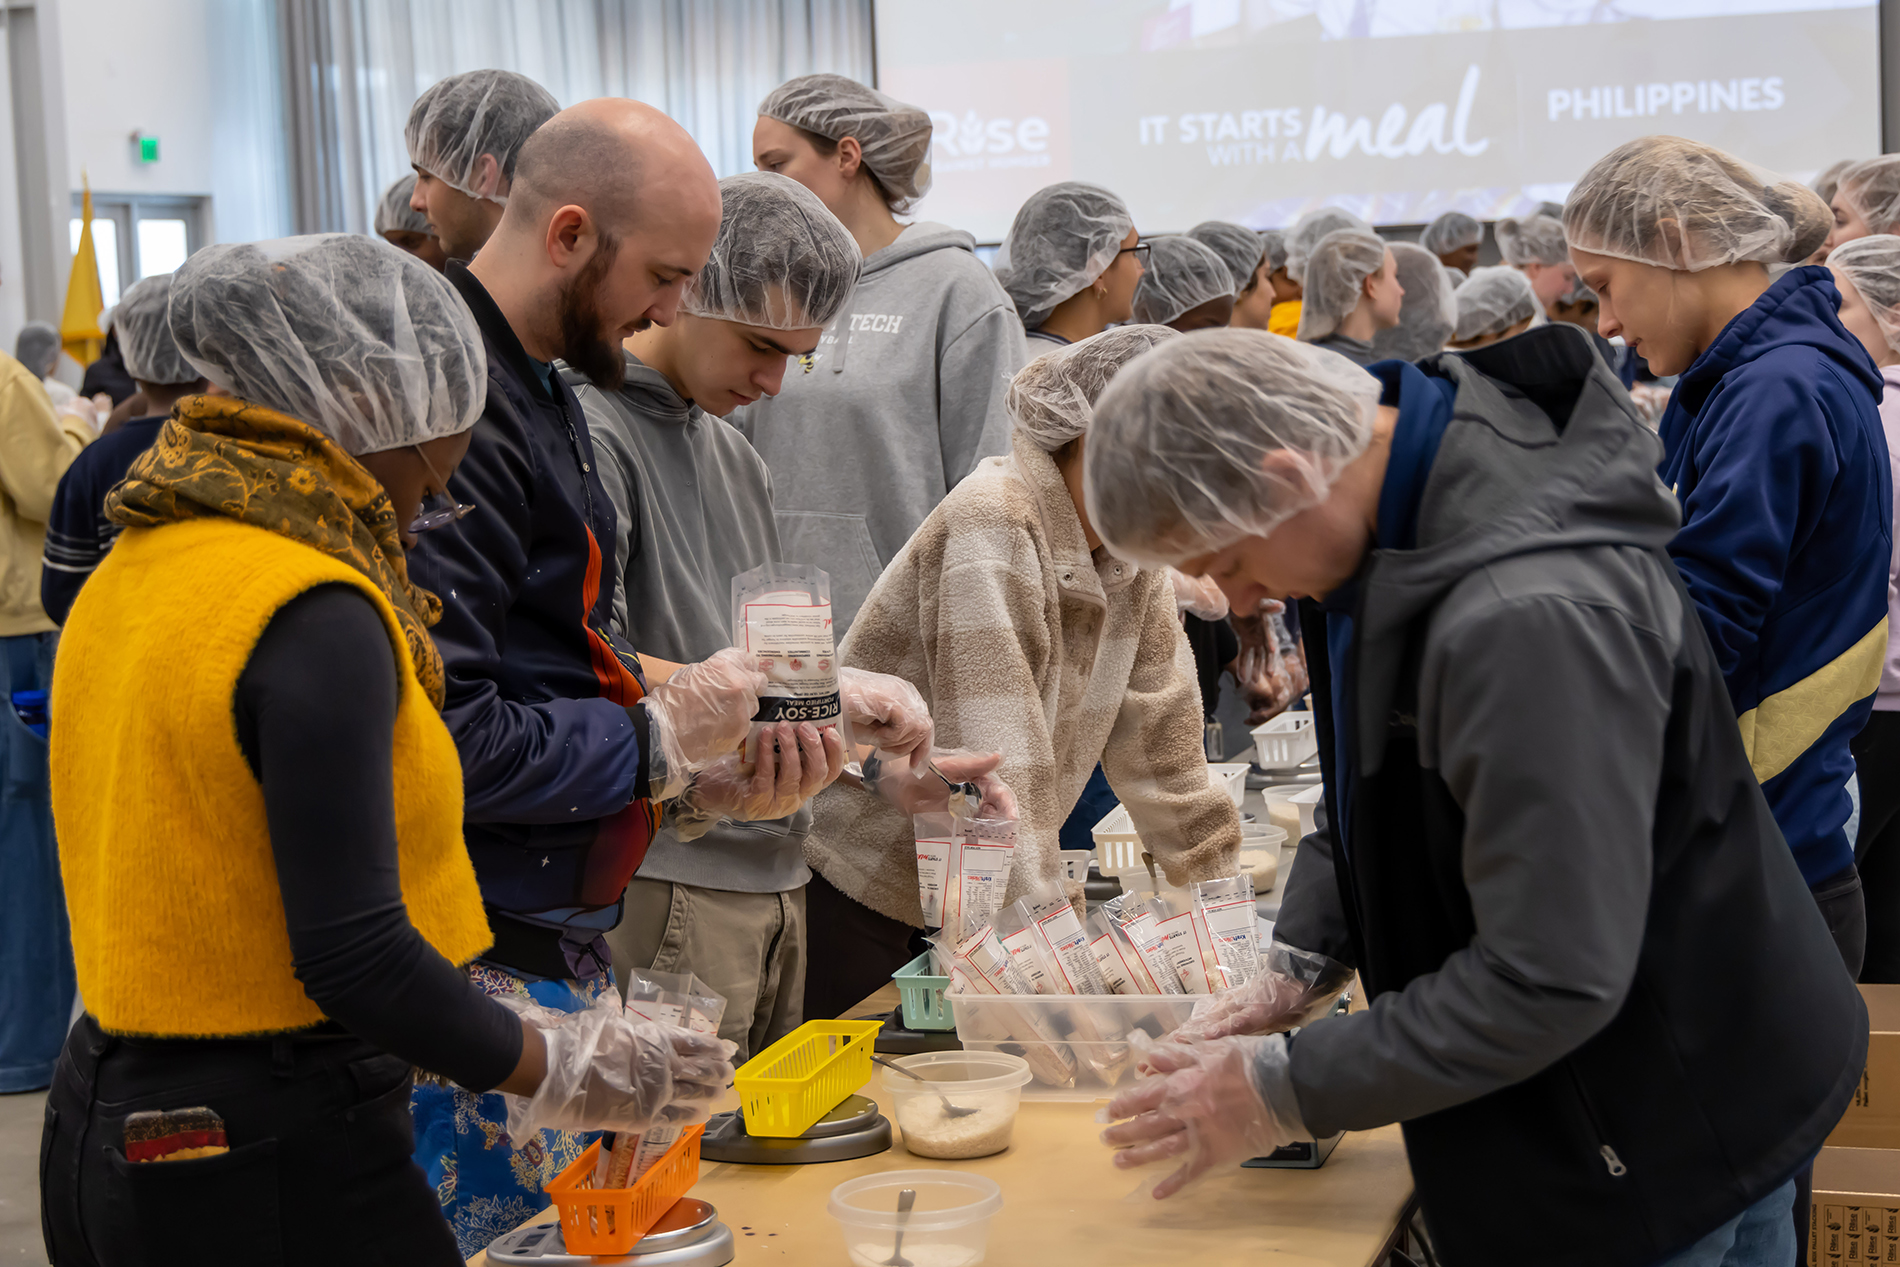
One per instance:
(136,236)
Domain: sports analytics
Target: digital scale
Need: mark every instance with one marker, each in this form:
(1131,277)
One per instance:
(854,1129)
(688,1235)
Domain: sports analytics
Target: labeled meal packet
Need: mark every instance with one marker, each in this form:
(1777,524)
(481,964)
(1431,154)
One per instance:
(781,617)
(1061,949)
(962,870)
(1134,924)
(979,964)
(1186,942)
(1225,910)
(677,999)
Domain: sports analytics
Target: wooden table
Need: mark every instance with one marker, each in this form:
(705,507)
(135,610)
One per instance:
(1062,1199)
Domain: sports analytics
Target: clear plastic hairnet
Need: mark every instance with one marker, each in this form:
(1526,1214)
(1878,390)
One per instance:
(1052,399)
(1829,181)
(1683,205)
(1452,231)
(1873,265)
(459,119)
(1274,243)
(1238,246)
(893,138)
(1457,275)
(1339,265)
(1873,189)
(782,259)
(395,215)
(1537,239)
(1307,232)
(145,334)
(34,346)
(1060,241)
(1177,458)
(1492,300)
(1427,316)
(1181,274)
(344,332)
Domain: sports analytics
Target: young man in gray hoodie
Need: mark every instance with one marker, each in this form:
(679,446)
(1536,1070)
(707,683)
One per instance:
(717,896)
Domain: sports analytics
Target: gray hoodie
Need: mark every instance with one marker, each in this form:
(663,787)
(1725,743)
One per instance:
(902,399)
(693,507)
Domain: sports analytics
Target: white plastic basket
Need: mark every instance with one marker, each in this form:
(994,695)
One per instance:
(1230,776)
(1075,864)
(1117,847)
(1285,742)
(1006,1022)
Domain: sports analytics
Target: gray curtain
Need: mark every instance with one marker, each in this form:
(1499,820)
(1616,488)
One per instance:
(353,67)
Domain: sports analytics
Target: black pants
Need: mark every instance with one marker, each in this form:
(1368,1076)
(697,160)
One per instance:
(851,950)
(319,1170)
(1877,851)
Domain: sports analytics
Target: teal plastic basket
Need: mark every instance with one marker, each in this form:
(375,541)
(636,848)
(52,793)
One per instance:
(921,992)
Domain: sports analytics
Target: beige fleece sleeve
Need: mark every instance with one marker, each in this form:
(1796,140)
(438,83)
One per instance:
(36,445)
(1155,761)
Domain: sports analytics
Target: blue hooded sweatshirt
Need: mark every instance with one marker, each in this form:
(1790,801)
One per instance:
(1773,445)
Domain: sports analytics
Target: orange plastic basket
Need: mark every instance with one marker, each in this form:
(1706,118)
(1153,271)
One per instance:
(612,1220)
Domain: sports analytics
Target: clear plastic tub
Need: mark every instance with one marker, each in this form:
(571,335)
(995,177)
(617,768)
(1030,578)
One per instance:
(1260,845)
(991,1082)
(949,1226)
(1084,1036)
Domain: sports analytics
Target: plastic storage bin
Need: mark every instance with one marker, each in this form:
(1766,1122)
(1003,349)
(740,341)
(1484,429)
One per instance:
(920,995)
(1092,1029)
(1231,777)
(787,1087)
(991,1082)
(1285,742)
(950,1222)
(612,1220)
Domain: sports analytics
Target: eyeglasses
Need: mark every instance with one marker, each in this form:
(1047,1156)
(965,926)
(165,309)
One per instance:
(1140,250)
(439,510)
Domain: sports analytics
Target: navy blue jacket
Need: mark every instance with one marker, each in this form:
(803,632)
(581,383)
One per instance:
(78,534)
(1773,444)
(542,701)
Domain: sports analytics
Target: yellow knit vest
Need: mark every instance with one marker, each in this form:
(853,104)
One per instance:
(177,924)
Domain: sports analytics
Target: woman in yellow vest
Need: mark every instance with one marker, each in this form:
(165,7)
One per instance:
(259,808)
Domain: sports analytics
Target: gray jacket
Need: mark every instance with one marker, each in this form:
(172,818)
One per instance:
(902,399)
(1358,351)
(693,507)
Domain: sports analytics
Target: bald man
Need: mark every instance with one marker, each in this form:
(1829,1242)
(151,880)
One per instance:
(612,209)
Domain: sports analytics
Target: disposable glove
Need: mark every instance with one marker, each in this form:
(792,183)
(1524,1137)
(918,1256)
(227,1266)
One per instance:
(610,1071)
(1296,988)
(1200,1104)
(920,789)
(701,713)
(1197,596)
(886,712)
(793,763)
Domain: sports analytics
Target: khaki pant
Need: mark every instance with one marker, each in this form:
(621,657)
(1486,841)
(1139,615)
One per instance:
(749,947)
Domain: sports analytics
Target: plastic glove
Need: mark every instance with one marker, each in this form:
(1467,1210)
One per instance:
(1297,988)
(1197,595)
(609,1071)
(918,789)
(885,711)
(1201,1105)
(793,764)
(703,712)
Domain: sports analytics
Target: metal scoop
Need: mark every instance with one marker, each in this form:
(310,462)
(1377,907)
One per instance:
(949,1109)
(905,1200)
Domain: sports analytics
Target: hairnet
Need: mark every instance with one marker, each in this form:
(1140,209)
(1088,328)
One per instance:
(1427,316)
(1457,276)
(1338,267)
(1451,232)
(344,332)
(893,138)
(1682,205)
(395,215)
(1273,241)
(461,118)
(1177,460)
(1307,232)
(1052,399)
(1492,300)
(145,334)
(1537,239)
(1873,265)
(1873,189)
(1828,182)
(1061,240)
(1239,247)
(782,260)
(34,346)
(1181,274)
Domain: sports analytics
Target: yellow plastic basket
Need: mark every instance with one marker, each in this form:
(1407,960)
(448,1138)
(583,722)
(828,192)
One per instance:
(786,1088)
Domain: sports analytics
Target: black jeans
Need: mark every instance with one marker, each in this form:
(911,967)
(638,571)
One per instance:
(319,1170)
(851,950)
(1877,851)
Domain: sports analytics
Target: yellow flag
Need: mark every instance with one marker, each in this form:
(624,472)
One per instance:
(79,329)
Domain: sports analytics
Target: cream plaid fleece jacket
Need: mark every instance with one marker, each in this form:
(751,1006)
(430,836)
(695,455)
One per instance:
(1026,645)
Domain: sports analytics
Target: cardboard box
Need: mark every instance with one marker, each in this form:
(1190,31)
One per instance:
(1872,1120)
(1855,1218)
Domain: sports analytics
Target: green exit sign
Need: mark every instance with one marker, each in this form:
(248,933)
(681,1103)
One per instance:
(148,149)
